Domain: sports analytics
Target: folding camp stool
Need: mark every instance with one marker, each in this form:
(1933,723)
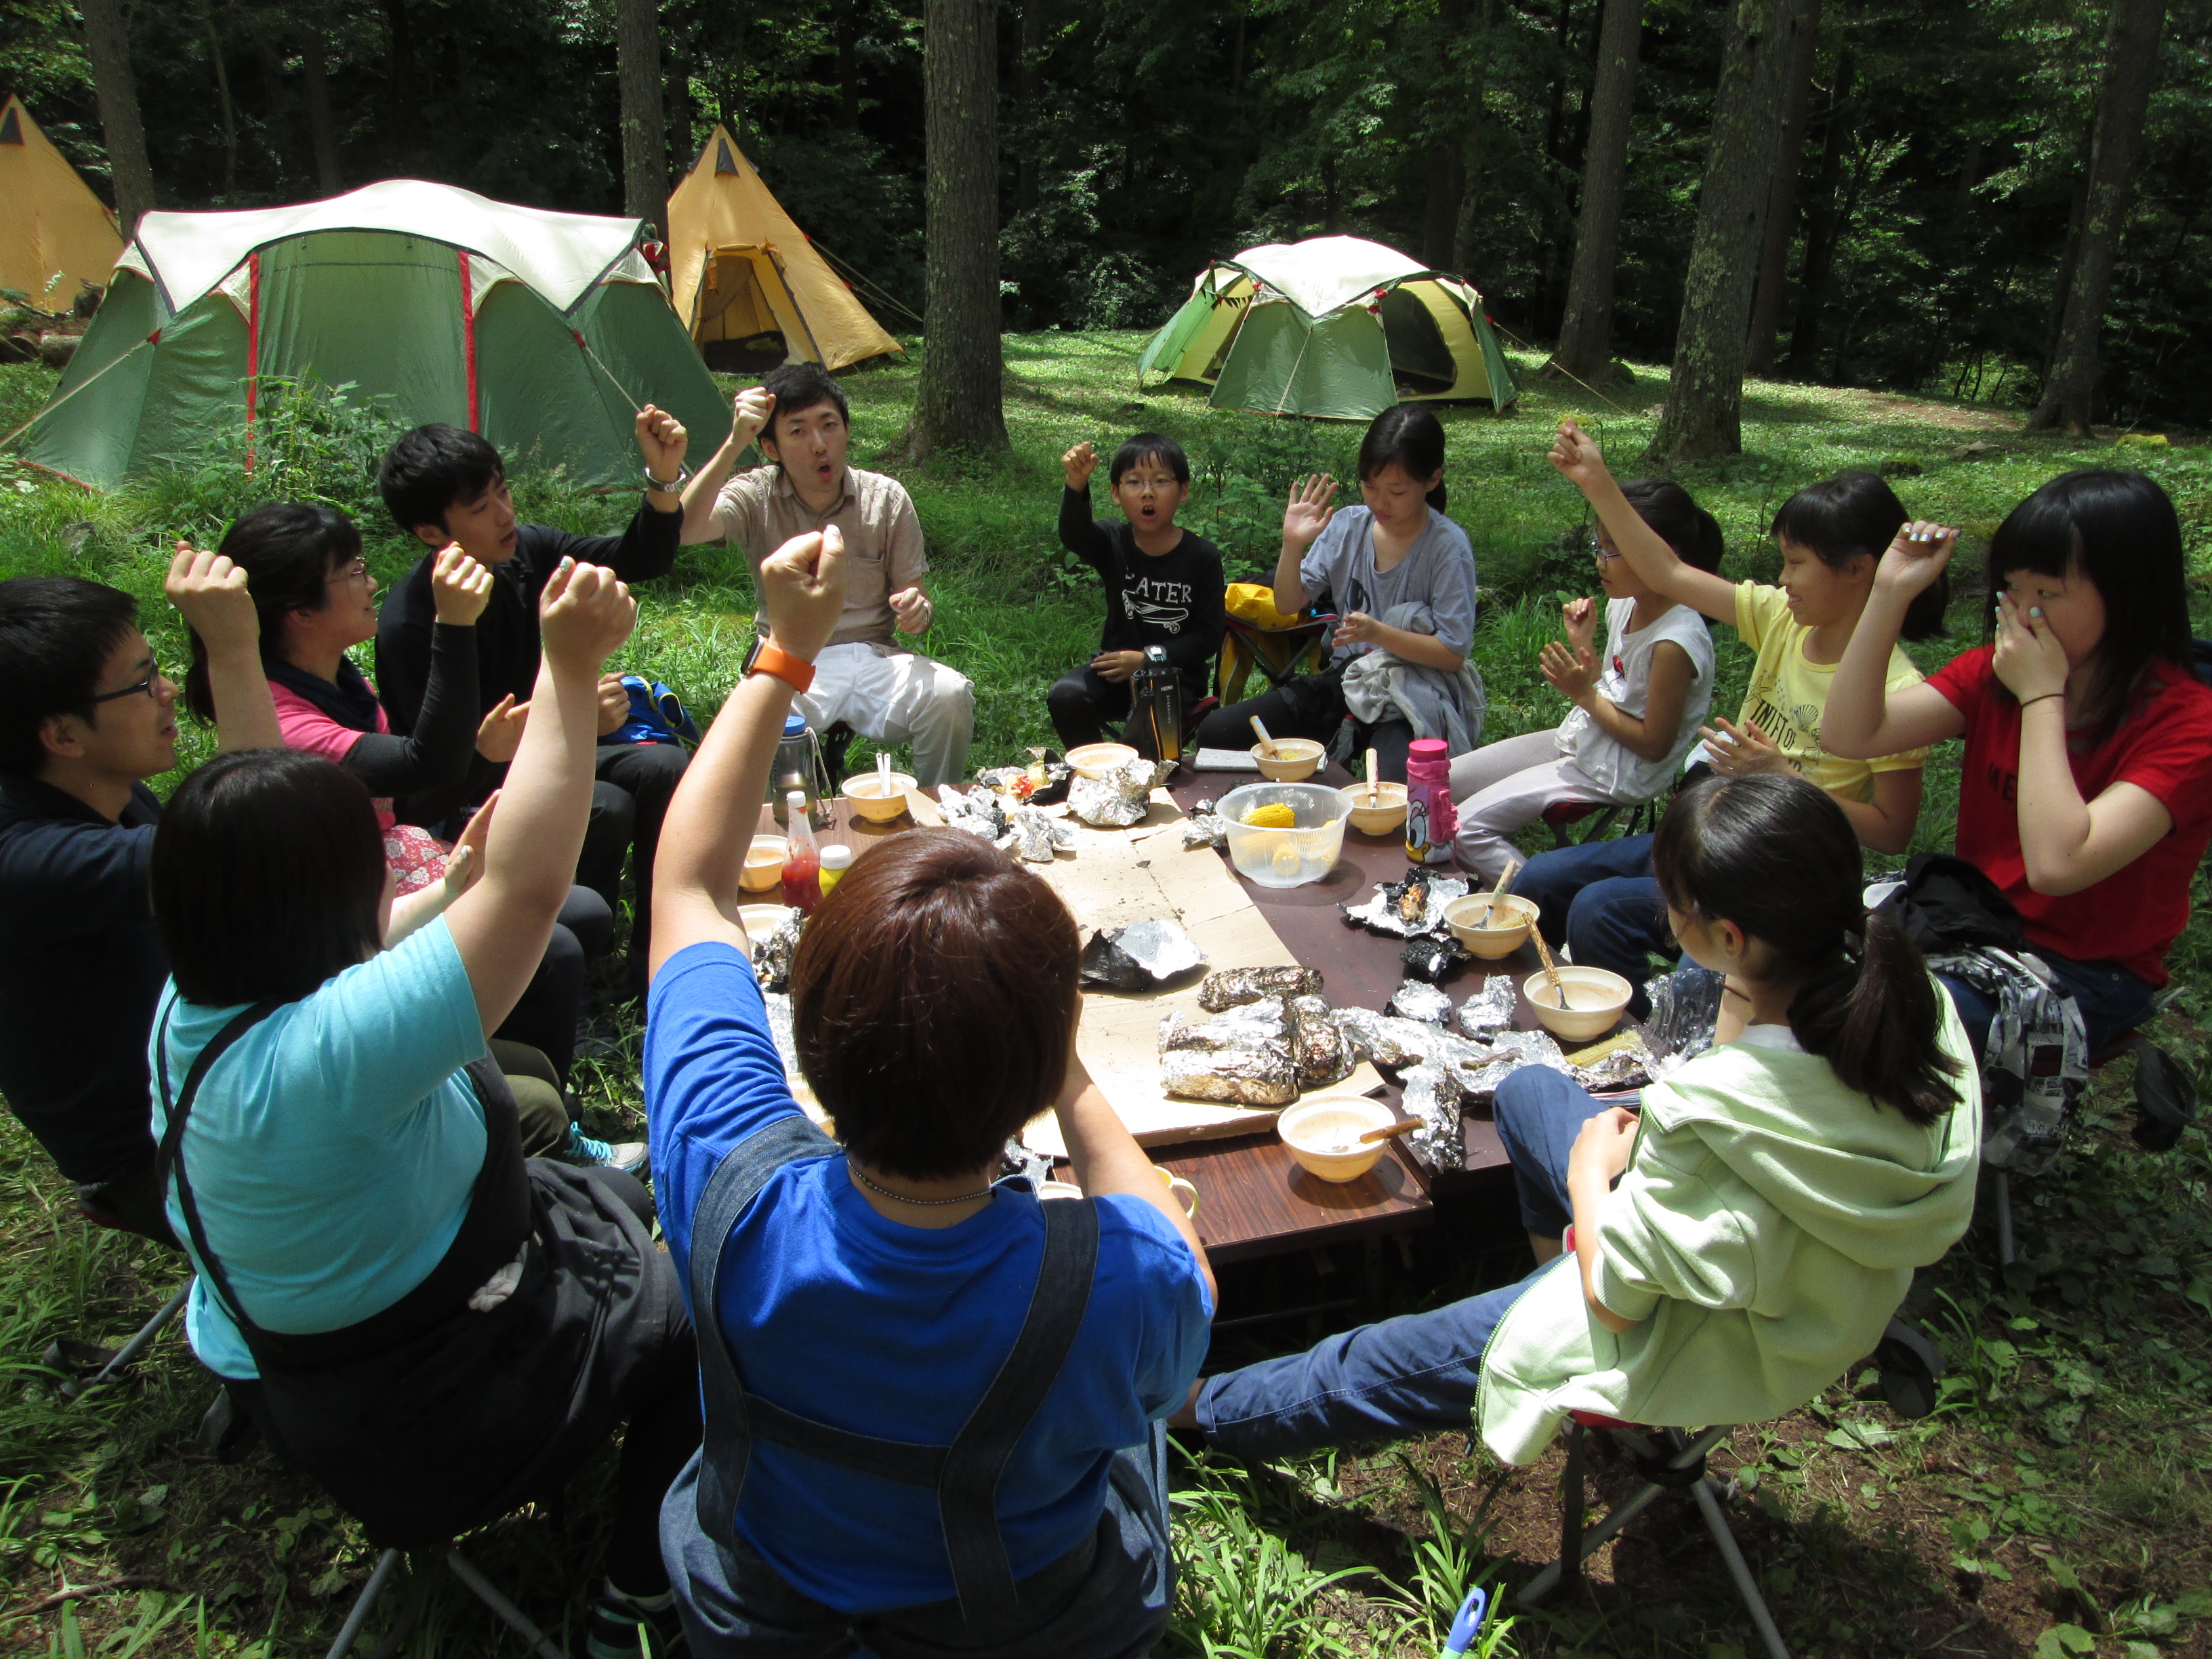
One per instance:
(67,1356)
(1561,815)
(428,1566)
(1279,653)
(1668,1459)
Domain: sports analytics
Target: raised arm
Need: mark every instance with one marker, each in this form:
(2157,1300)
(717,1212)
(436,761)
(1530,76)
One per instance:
(210,593)
(501,924)
(1862,718)
(710,821)
(436,754)
(1657,565)
(1305,516)
(750,414)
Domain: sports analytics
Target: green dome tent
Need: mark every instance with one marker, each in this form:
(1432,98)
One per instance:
(1333,326)
(544,331)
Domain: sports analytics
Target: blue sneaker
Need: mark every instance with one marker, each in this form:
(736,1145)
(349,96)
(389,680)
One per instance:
(627,1156)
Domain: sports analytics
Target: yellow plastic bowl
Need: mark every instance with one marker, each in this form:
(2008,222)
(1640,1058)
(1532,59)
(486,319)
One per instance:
(763,866)
(1096,760)
(1312,1128)
(1595,999)
(1491,927)
(1377,820)
(762,920)
(863,791)
(1294,759)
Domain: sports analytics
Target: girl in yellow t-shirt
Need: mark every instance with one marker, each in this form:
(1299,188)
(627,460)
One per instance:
(1599,899)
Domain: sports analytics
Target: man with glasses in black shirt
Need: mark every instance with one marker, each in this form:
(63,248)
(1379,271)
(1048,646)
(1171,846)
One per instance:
(86,716)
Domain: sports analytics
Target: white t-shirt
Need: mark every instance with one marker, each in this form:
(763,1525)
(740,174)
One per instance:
(1624,680)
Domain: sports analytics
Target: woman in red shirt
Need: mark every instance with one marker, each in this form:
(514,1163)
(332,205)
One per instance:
(2085,793)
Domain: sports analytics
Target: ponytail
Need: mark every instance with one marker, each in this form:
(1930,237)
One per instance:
(286,550)
(1692,533)
(1775,855)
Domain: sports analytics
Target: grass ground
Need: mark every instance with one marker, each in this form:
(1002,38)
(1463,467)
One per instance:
(2058,1503)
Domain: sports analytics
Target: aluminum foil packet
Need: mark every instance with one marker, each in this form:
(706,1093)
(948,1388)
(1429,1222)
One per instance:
(1432,1094)
(1409,908)
(1419,1000)
(1229,987)
(1119,798)
(1684,1006)
(772,955)
(1016,1159)
(1242,1058)
(1431,956)
(1140,956)
(976,811)
(780,1028)
(1205,830)
(1626,1065)
(1489,1009)
(1040,783)
(1515,1051)
(1036,836)
(1323,1055)
(1390,1042)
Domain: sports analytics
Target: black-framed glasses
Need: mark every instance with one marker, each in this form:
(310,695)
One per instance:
(144,687)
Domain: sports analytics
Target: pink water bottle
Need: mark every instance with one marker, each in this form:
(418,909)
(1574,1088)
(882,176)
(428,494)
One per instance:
(1432,821)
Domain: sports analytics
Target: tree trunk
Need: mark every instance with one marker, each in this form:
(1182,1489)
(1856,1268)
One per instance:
(402,60)
(1466,233)
(1029,91)
(322,124)
(1585,347)
(1820,223)
(733,108)
(1782,199)
(958,404)
(644,130)
(107,43)
(225,108)
(1705,392)
(2130,68)
(848,59)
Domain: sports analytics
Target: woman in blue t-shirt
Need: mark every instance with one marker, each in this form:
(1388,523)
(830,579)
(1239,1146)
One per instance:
(933,1402)
(430,1327)
(1401,576)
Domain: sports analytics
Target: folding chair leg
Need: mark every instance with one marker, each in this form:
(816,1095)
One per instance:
(1574,1508)
(365,1603)
(514,1617)
(131,1350)
(1574,1552)
(1746,1586)
(2001,1199)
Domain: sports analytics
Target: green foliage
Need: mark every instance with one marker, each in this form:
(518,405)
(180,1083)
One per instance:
(1244,1593)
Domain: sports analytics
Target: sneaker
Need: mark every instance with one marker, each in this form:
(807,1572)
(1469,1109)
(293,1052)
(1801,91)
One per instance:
(621,1629)
(627,1156)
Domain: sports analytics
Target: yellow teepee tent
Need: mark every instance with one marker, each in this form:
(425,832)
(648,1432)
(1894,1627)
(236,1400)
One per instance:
(739,269)
(54,233)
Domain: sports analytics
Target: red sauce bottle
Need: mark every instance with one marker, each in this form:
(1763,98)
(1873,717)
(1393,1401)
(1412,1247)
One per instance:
(802,867)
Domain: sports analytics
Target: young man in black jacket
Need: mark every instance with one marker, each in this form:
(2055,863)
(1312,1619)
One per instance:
(448,487)
(1164,585)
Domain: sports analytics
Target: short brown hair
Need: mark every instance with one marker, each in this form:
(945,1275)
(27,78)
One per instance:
(933,998)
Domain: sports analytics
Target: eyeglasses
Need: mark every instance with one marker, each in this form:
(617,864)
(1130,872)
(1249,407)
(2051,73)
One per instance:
(1604,554)
(144,687)
(1140,485)
(355,572)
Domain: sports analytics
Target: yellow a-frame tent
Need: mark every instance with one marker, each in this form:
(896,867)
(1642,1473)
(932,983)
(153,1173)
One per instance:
(739,269)
(54,233)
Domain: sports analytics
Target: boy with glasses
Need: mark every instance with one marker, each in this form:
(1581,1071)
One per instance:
(1164,585)
(86,716)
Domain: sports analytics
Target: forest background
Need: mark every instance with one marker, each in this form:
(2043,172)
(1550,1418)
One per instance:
(1930,182)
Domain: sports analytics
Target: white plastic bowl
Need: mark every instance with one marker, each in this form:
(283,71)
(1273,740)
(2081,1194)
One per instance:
(1596,998)
(1312,1130)
(1306,852)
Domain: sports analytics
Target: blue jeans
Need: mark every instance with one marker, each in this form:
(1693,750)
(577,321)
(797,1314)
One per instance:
(2112,1000)
(1601,901)
(1417,1373)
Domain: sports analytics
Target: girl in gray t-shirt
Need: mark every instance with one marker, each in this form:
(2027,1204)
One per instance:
(1395,555)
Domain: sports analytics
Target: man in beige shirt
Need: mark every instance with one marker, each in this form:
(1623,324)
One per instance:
(863,677)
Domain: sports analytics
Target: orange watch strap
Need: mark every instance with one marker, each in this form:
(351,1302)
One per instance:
(790,670)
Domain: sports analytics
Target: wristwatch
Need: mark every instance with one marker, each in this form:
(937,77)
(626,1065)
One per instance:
(765,659)
(674,484)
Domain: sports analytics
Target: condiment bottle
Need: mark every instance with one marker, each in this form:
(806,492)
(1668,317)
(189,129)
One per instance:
(1431,820)
(835,861)
(802,865)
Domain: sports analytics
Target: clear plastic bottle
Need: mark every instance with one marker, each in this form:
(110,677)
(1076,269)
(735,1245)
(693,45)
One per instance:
(802,865)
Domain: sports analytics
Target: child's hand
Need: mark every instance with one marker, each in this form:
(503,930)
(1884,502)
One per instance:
(585,613)
(1117,665)
(614,704)
(1357,628)
(2029,661)
(212,592)
(1308,511)
(1572,673)
(1916,558)
(465,863)
(1079,464)
(911,608)
(499,734)
(1604,1145)
(1575,454)
(1581,618)
(1738,751)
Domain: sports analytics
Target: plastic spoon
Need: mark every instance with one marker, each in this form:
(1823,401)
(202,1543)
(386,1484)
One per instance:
(1266,742)
(882,773)
(1374,789)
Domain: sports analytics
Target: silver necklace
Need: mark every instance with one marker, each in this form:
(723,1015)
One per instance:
(862,1176)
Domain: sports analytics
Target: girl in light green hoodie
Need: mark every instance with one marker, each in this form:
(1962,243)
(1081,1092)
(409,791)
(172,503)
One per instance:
(1744,1239)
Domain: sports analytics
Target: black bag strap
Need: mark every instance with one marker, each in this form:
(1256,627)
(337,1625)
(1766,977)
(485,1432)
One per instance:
(173,1138)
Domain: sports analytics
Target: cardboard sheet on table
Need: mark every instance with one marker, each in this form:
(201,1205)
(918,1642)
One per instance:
(1117,877)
